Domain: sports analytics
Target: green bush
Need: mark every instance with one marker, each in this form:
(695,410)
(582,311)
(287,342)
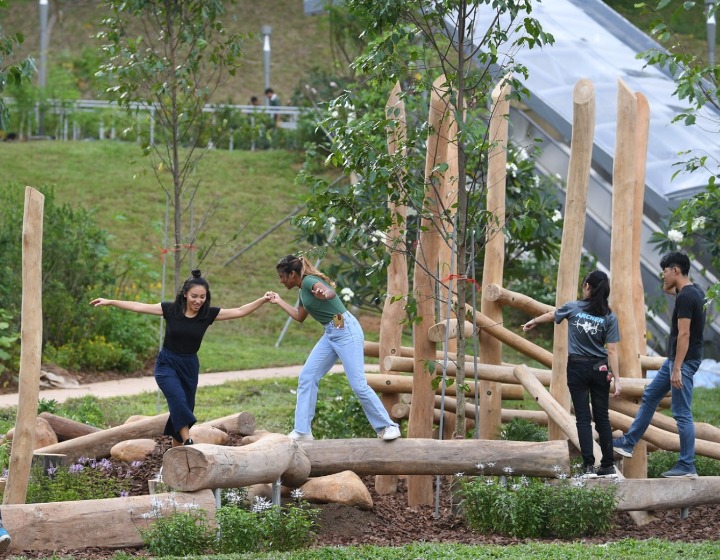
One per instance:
(340,415)
(9,348)
(519,429)
(239,530)
(184,533)
(95,354)
(84,480)
(83,409)
(530,508)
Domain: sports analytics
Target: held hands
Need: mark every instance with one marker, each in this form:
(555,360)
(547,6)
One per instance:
(272,297)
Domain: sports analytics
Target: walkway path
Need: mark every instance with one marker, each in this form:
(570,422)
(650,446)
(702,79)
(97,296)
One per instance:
(138,385)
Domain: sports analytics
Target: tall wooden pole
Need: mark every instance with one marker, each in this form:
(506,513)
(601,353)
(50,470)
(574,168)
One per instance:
(490,348)
(397,273)
(30,351)
(581,145)
(424,284)
(622,266)
(642,129)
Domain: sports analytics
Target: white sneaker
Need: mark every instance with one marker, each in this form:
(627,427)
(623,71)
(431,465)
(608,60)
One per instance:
(390,433)
(299,436)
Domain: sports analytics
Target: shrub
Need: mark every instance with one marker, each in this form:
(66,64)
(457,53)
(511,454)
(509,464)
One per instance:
(183,533)
(529,508)
(9,347)
(84,409)
(519,429)
(341,414)
(239,530)
(85,480)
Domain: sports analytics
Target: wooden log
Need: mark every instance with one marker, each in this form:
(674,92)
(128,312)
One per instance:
(396,384)
(495,292)
(242,423)
(97,445)
(401,411)
(581,147)
(490,347)
(432,457)
(651,362)
(662,493)
(555,410)
(519,343)
(194,467)
(420,490)
(708,432)
(372,350)
(66,428)
(622,249)
(106,523)
(642,129)
(30,349)
(393,312)
(665,440)
(507,414)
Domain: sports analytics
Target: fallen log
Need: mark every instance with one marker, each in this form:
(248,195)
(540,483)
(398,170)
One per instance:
(415,456)
(633,494)
(194,467)
(98,444)
(242,423)
(66,428)
(106,523)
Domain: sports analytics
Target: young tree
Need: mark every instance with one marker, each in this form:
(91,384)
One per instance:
(695,224)
(414,43)
(170,55)
(11,73)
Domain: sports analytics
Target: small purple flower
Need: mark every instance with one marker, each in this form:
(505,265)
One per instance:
(83,460)
(76,468)
(124,493)
(136,464)
(105,464)
(52,470)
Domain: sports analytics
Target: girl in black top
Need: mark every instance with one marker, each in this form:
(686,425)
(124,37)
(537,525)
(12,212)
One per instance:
(177,366)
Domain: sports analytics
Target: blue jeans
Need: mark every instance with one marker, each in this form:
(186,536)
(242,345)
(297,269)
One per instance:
(589,385)
(347,344)
(680,404)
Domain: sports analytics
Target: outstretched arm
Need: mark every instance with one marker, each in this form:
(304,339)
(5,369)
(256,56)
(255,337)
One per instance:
(298,313)
(548,317)
(136,306)
(237,312)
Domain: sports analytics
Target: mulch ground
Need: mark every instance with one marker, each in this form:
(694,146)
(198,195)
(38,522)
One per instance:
(392,522)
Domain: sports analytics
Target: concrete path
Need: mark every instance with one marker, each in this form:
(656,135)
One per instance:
(138,385)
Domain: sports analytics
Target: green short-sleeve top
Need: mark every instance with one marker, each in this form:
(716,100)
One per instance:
(322,310)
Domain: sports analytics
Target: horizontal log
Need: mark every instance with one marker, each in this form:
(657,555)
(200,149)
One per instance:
(195,467)
(634,494)
(414,456)
(651,362)
(632,388)
(372,350)
(66,428)
(106,523)
(401,411)
(242,423)
(388,383)
(98,445)
(494,292)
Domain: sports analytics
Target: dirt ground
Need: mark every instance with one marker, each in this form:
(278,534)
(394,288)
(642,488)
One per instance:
(392,522)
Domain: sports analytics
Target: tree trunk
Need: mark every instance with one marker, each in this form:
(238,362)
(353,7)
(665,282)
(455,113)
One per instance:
(66,429)
(30,349)
(106,523)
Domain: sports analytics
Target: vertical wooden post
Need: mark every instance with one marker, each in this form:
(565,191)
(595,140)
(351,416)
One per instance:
(490,351)
(424,282)
(621,259)
(397,273)
(583,133)
(31,349)
(642,128)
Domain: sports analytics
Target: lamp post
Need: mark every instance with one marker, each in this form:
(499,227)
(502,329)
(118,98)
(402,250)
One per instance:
(42,70)
(710,25)
(266,30)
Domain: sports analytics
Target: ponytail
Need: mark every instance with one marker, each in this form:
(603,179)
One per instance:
(597,301)
(302,266)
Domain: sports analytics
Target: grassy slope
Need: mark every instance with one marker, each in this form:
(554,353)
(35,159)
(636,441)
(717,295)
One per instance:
(247,192)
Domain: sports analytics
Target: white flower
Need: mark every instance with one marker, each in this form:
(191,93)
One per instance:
(260,504)
(352,116)
(296,493)
(378,236)
(347,294)
(459,474)
(675,236)
(479,466)
(698,223)
(578,482)
(508,470)
(335,114)
(557,216)
(333,84)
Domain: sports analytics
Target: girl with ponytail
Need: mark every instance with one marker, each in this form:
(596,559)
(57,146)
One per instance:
(592,362)
(343,338)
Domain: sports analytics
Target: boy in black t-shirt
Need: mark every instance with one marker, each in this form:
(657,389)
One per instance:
(684,355)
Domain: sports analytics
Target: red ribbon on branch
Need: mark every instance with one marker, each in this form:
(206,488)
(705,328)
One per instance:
(187,246)
(461,277)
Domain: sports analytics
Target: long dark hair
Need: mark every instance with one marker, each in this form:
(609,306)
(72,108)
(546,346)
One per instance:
(291,263)
(597,302)
(180,303)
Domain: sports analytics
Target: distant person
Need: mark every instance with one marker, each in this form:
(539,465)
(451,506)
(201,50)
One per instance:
(254,101)
(273,101)
(177,366)
(592,362)
(343,338)
(684,355)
